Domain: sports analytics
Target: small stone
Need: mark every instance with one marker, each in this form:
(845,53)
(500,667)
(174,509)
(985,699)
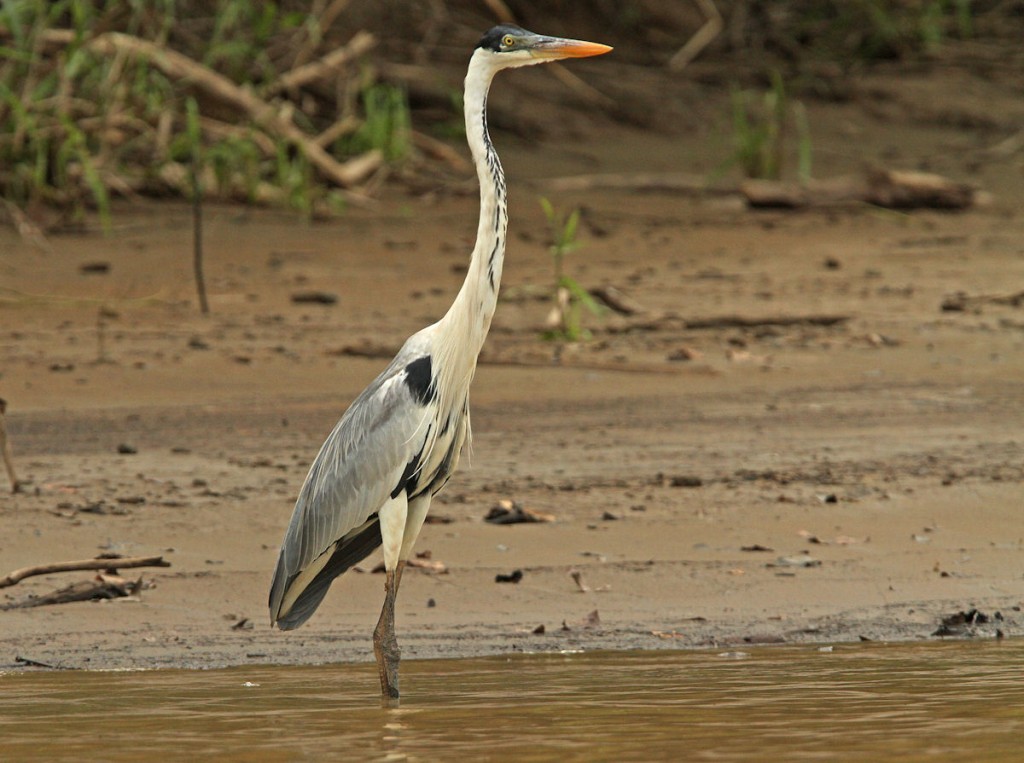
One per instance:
(513,577)
(685,480)
(314,298)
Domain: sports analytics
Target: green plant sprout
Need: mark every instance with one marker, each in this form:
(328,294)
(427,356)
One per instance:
(759,132)
(80,125)
(386,126)
(566,318)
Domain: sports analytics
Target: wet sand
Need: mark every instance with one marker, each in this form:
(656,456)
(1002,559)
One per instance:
(844,462)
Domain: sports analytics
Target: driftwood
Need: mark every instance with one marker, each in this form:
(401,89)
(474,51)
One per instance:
(103,586)
(893,189)
(111,563)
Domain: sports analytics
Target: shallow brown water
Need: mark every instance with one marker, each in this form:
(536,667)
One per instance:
(873,702)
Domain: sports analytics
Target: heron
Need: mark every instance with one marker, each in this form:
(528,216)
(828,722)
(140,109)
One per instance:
(399,442)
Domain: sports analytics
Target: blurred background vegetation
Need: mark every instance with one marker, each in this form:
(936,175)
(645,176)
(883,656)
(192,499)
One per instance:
(314,105)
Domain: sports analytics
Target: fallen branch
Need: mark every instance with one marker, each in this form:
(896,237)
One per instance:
(85,564)
(179,66)
(893,189)
(337,59)
(101,587)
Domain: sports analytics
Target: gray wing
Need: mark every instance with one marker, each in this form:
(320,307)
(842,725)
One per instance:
(368,457)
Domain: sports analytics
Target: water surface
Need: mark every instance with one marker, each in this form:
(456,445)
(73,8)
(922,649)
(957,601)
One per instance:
(872,702)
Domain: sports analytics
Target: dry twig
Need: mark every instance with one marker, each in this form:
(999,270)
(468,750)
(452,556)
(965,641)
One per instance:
(85,564)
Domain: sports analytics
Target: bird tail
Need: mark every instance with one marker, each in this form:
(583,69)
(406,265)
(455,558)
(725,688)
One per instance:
(294,598)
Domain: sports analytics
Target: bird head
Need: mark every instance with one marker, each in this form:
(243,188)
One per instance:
(508,46)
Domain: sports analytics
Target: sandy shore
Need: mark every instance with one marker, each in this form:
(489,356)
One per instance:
(795,479)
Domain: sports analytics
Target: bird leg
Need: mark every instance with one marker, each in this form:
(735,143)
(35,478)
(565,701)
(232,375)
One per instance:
(385,645)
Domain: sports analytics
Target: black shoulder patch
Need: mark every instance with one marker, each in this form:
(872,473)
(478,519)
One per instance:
(410,478)
(418,376)
(492,38)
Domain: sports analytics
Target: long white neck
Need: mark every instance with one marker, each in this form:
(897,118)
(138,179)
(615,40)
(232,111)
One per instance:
(467,321)
(474,306)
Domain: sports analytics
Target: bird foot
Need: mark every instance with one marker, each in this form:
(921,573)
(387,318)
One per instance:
(388,654)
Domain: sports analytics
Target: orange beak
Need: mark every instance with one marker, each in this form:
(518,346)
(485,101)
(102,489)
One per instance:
(554,48)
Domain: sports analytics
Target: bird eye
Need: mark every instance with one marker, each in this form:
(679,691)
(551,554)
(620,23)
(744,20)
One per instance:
(508,41)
